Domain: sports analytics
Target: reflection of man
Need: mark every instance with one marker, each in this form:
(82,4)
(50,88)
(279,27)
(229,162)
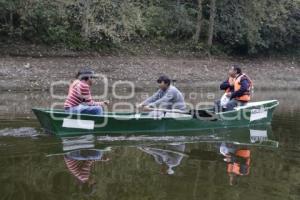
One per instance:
(168,158)
(238,161)
(80,163)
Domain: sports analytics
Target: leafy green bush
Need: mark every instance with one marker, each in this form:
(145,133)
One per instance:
(256,26)
(241,26)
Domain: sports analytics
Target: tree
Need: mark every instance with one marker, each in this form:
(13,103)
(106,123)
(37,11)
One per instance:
(243,26)
(199,22)
(212,14)
(85,31)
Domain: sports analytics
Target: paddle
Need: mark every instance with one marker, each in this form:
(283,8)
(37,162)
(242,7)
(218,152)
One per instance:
(163,150)
(64,153)
(196,114)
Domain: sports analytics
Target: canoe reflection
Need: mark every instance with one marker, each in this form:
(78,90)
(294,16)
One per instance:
(168,156)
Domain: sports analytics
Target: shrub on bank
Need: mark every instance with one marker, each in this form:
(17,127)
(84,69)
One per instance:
(245,27)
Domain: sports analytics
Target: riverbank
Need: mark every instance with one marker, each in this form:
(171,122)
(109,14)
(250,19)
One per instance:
(25,73)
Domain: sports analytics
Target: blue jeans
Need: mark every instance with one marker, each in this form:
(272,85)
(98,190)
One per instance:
(233,103)
(85,109)
(88,154)
(229,106)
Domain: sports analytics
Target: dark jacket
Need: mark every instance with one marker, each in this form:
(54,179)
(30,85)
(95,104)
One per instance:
(225,85)
(245,84)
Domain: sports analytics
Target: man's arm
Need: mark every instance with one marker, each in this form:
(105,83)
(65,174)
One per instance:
(244,87)
(166,99)
(225,85)
(152,99)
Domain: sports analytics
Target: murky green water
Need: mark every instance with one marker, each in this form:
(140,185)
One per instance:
(264,162)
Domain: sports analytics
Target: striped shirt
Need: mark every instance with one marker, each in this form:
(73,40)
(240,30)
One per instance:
(79,92)
(80,169)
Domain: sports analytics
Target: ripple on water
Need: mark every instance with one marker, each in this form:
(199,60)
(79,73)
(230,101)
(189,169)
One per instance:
(158,138)
(19,132)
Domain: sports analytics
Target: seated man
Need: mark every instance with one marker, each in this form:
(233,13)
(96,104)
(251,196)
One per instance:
(227,85)
(167,97)
(237,88)
(79,98)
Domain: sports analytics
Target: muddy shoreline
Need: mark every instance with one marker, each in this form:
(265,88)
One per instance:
(26,73)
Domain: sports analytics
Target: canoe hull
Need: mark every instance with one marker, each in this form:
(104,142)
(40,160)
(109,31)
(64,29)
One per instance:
(64,124)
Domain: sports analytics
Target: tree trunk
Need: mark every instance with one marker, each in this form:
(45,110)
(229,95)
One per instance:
(212,14)
(85,32)
(177,11)
(199,22)
(11,23)
(11,18)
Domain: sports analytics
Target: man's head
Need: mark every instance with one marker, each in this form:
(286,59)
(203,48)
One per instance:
(234,71)
(166,170)
(164,82)
(86,75)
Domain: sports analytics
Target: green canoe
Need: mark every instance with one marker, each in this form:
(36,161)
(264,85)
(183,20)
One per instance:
(65,124)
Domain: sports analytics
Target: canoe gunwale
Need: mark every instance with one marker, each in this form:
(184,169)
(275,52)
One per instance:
(248,107)
(143,115)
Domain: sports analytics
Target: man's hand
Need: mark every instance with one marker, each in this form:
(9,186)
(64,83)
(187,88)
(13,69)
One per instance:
(144,107)
(104,103)
(147,108)
(140,105)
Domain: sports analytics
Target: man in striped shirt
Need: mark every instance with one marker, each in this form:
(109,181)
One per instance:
(79,98)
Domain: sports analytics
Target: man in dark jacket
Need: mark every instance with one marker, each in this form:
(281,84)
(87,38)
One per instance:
(237,89)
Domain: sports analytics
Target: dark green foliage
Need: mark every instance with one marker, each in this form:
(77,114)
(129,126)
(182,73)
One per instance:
(240,26)
(258,25)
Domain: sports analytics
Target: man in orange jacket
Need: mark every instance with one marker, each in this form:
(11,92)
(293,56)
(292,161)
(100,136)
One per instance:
(237,87)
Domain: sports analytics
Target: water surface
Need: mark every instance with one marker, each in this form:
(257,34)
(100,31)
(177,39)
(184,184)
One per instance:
(38,166)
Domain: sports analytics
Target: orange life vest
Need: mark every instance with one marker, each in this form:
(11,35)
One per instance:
(243,153)
(233,168)
(236,167)
(237,85)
